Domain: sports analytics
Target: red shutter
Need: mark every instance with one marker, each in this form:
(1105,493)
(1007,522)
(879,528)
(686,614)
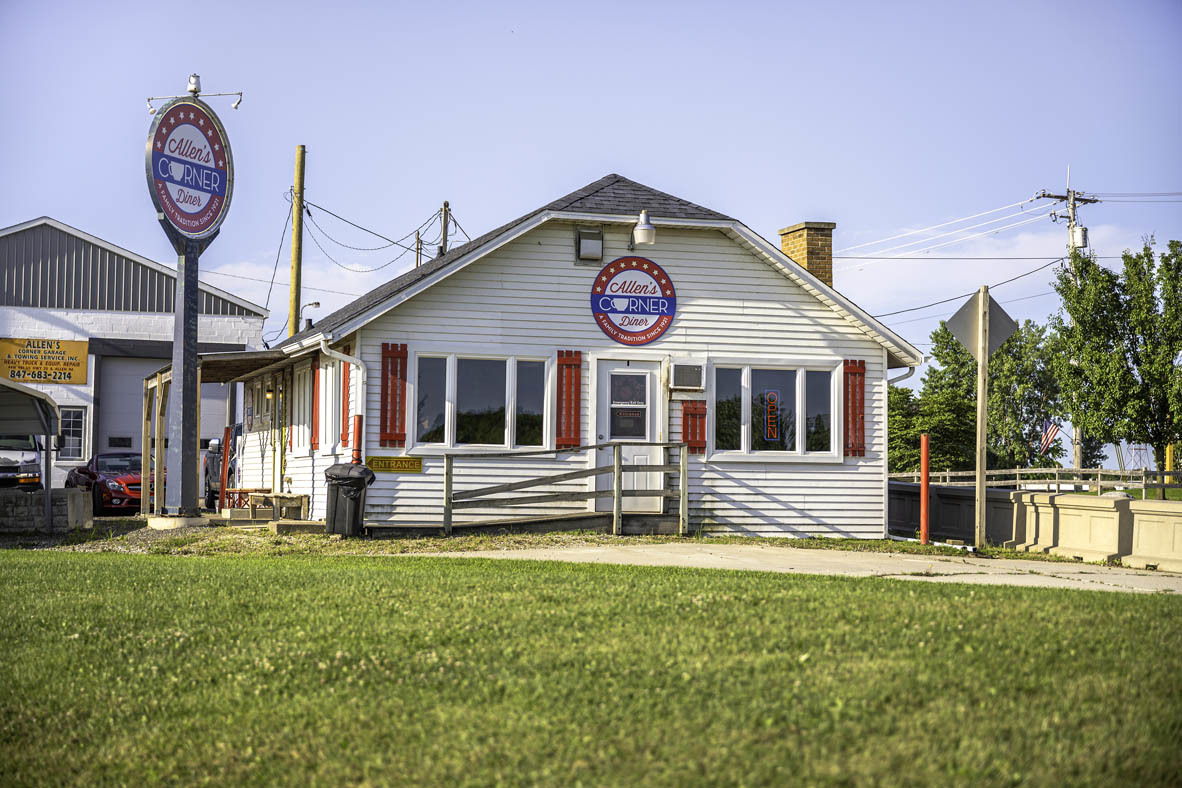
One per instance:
(693,425)
(855,408)
(570,388)
(315,402)
(392,427)
(345,400)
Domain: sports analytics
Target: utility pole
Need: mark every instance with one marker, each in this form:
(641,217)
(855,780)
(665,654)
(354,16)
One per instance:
(446,219)
(297,243)
(1077,238)
(981,495)
(418,249)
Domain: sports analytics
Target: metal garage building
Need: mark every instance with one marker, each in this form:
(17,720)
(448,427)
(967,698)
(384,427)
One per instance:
(59,283)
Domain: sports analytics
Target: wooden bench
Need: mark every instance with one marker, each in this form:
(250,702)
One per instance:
(278,503)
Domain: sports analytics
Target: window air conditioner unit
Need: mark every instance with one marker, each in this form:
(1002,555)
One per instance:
(687,376)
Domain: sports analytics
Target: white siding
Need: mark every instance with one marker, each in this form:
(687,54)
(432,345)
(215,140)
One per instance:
(530,298)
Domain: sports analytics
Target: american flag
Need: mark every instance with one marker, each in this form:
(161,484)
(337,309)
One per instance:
(1049,430)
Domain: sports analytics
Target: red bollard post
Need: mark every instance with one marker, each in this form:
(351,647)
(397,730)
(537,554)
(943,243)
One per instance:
(923,488)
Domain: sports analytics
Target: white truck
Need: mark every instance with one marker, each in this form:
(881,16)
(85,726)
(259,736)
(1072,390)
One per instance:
(20,461)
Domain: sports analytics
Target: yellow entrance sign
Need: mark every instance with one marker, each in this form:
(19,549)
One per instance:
(395,464)
(43,360)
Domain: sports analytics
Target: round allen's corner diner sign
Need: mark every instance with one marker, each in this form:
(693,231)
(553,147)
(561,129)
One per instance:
(190,170)
(633,300)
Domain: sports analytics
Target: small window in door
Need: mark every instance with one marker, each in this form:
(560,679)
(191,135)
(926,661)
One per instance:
(629,406)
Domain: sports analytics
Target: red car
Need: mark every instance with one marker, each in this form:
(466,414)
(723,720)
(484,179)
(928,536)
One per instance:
(113,479)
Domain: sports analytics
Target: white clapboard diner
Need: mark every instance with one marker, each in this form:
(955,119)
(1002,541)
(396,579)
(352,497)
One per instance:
(617,315)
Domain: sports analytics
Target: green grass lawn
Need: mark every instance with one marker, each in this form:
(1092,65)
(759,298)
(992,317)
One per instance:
(420,670)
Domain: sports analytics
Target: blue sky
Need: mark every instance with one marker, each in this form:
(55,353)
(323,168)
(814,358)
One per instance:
(881,117)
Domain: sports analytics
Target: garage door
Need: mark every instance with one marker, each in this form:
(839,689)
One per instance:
(121,395)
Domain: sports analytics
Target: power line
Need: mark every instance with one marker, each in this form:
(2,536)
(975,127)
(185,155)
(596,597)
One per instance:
(366,229)
(953,241)
(945,315)
(331,259)
(955,232)
(966,295)
(281,284)
(925,258)
(1136,194)
(459,227)
(937,226)
(345,245)
(279,251)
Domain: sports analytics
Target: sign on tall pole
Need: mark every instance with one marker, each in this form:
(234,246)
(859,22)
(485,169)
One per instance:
(982,326)
(191,179)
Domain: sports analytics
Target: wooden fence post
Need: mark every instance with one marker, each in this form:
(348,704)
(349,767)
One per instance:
(683,489)
(447,473)
(617,489)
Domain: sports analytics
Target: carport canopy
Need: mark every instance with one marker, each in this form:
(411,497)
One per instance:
(27,411)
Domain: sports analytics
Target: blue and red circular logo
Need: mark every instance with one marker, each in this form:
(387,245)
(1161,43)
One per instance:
(633,300)
(190,171)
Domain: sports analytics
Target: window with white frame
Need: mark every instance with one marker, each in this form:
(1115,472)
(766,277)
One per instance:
(330,404)
(464,400)
(774,409)
(73,431)
(301,407)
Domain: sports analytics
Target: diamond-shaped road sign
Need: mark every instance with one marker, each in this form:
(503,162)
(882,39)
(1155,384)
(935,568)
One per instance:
(965,325)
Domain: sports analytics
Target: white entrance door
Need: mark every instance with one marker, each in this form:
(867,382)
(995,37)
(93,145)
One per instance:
(628,407)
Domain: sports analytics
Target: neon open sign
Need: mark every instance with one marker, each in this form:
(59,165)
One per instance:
(771,416)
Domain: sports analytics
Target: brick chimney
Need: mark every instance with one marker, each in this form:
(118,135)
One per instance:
(811,245)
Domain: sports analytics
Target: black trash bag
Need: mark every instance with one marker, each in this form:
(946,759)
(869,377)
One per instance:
(346,485)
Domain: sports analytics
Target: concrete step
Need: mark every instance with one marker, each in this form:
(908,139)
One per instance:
(296,526)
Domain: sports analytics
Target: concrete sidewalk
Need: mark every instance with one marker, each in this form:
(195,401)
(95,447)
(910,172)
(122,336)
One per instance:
(933,569)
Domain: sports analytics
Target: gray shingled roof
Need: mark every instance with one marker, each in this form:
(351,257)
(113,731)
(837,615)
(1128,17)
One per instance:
(612,194)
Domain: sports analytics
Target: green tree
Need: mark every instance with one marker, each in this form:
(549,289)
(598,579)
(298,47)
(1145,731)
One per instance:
(1120,336)
(1022,393)
(902,431)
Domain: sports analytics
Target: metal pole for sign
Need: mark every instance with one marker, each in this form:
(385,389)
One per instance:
(190,177)
(982,407)
(181,496)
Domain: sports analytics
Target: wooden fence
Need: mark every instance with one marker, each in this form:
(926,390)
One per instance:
(480,498)
(1055,478)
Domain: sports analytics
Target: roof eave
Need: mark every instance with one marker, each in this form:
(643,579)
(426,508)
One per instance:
(899,350)
(119,250)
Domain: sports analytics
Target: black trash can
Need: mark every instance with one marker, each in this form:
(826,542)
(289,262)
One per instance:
(346,498)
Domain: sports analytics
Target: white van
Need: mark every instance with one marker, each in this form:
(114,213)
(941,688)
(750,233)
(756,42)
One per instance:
(20,462)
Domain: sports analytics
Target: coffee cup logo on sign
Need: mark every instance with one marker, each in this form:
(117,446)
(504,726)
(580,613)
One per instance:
(190,169)
(633,301)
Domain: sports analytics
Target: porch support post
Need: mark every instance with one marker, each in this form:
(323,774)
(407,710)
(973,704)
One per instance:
(146,452)
(617,490)
(447,474)
(683,489)
(161,421)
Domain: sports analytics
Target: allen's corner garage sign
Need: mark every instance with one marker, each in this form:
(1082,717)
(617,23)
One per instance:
(633,300)
(190,170)
(43,360)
